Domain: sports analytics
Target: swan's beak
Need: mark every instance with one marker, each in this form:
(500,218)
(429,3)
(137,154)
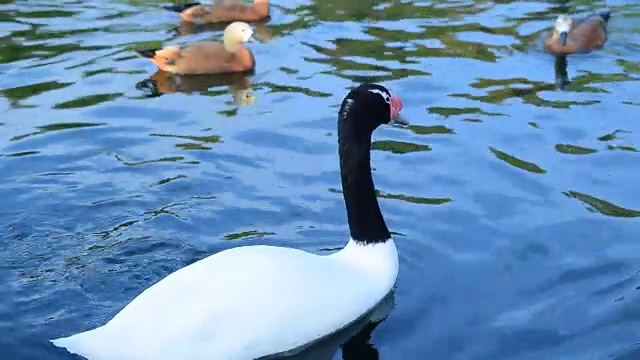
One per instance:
(396,117)
(563,38)
(399,121)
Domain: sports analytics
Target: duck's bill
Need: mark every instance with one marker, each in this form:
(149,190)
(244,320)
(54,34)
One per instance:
(255,39)
(563,38)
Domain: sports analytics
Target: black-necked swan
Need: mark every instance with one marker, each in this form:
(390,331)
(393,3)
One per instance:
(252,301)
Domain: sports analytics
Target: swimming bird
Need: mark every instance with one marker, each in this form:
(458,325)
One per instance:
(573,36)
(222,11)
(249,302)
(207,57)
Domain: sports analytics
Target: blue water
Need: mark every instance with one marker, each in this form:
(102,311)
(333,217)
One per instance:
(514,203)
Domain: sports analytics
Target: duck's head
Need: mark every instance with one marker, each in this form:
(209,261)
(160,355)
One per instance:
(371,105)
(238,32)
(562,27)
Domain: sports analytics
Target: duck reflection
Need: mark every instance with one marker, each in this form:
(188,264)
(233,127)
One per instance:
(262,32)
(163,82)
(562,77)
(353,340)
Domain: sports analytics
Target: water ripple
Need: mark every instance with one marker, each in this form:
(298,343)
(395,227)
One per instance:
(512,186)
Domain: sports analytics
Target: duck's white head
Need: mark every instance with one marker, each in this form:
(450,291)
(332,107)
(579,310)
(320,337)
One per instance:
(562,27)
(238,32)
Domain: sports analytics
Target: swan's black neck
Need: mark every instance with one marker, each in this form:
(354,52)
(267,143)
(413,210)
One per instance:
(366,223)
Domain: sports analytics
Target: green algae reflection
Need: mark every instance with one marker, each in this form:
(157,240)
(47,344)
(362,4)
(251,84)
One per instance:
(17,94)
(252,234)
(405,198)
(574,149)
(86,101)
(518,163)
(413,199)
(602,206)
(429,130)
(398,147)
(197,145)
(447,111)
(55,127)
(524,89)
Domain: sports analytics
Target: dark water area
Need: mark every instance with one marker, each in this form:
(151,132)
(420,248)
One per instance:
(514,203)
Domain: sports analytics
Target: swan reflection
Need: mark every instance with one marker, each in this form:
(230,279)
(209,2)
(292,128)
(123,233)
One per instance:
(353,340)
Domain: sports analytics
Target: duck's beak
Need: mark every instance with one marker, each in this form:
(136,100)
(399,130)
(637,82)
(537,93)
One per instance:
(396,117)
(255,38)
(563,38)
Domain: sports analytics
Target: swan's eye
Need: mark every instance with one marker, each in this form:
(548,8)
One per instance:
(385,95)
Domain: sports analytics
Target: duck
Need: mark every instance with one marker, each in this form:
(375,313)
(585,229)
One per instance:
(207,57)
(576,36)
(222,11)
(255,301)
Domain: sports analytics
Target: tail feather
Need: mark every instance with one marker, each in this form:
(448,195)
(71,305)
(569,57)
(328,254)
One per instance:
(147,53)
(180,7)
(90,344)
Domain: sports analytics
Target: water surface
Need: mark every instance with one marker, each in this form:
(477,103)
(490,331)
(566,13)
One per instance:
(514,203)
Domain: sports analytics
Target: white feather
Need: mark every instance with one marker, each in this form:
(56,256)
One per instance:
(245,303)
(385,96)
(563,24)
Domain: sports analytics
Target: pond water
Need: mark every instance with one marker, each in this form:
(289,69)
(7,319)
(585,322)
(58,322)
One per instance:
(512,199)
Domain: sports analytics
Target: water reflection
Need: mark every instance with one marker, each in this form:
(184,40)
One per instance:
(163,82)
(529,91)
(53,127)
(562,77)
(262,32)
(602,206)
(354,340)
(616,136)
(502,184)
(516,162)
(631,354)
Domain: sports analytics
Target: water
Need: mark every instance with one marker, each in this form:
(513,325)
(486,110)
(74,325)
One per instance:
(514,203)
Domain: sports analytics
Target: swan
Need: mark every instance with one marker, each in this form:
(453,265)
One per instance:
(249,302)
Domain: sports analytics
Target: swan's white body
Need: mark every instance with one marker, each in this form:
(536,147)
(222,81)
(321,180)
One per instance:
(245,303)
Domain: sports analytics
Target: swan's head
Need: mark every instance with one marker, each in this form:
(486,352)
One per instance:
(562,27)
(372,105)
(238,32)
